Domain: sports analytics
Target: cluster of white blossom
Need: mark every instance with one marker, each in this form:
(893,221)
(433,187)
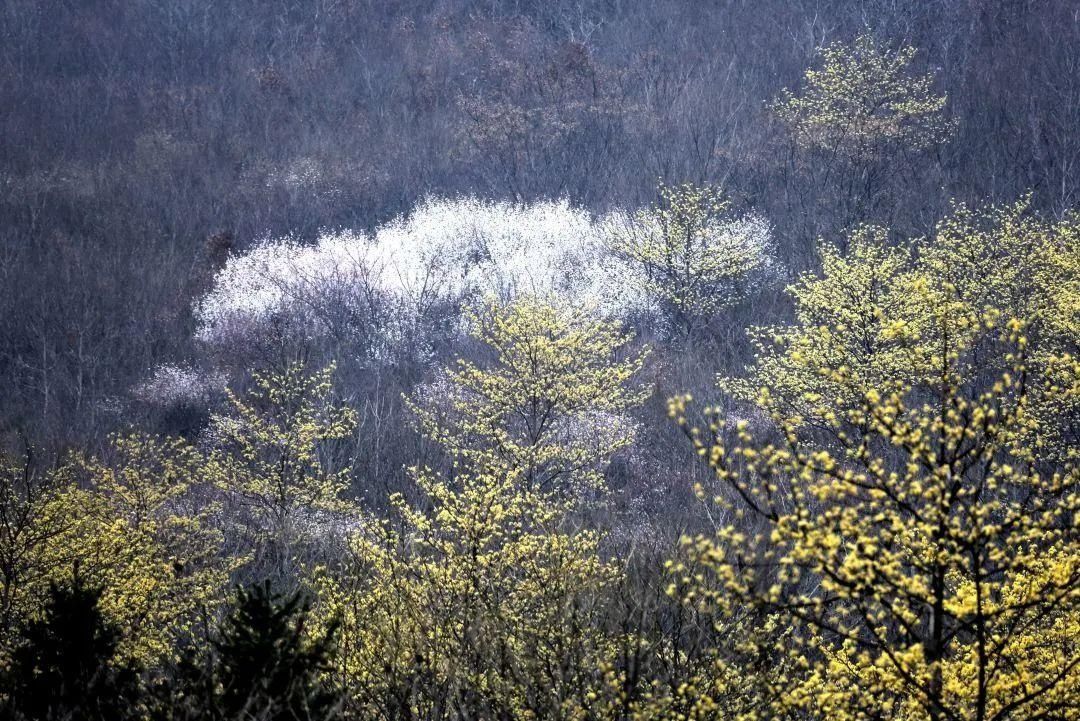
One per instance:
(172,384)
(751,237)
(732,257)
(755,232)
(283,283)
(452,250)
(300,174)
(445,254)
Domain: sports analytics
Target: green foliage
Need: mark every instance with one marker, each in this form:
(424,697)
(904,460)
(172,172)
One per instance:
(267,667)
(263,662)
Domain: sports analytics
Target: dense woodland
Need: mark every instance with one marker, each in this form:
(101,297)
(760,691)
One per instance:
(539,360)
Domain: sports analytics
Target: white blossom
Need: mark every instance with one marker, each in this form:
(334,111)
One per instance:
(281,280)
(170,384)
(391,287)
(453,249)
(742,260)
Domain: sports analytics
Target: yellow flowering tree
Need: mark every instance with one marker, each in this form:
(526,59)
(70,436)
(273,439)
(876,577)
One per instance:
(1008,259)
(28,522)
(129,523)
(880,313)
(860,120)
(867,315)
(910,439)
(911,513)
(549,406)
(924,554)
(479,605)
(482,601)
(705,661)
(689,255)
(863,101)
(272,449)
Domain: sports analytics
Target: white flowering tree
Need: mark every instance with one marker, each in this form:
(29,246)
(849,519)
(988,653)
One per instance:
(466,249)
(283,288)
(384,291)
(399,293)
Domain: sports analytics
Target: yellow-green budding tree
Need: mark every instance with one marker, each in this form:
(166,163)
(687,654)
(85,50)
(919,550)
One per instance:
(551,403)
(129,525)
(483,601)
(875,315)
(864,101)
(924,554)
(909,507)
(273,450)
(860,118)
(479,603)
(690,255)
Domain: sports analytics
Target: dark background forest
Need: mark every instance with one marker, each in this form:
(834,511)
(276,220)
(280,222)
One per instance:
(142,141)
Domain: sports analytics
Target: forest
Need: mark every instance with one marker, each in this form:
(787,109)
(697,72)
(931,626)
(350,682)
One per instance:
(500,360)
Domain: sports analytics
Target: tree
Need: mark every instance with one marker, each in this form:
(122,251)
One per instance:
(129,525)
(66,665)
(262,662)
(396,294)
(690,256)
(700,661)
(860,120)
(911,512)
(273,450)
(268,667)
(27,523)
(868,313)
(479,604)
(864,102)
(548,408)
(924,552)
(882,313)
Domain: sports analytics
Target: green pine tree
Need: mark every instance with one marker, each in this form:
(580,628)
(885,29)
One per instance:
(267,668)
(65,667)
